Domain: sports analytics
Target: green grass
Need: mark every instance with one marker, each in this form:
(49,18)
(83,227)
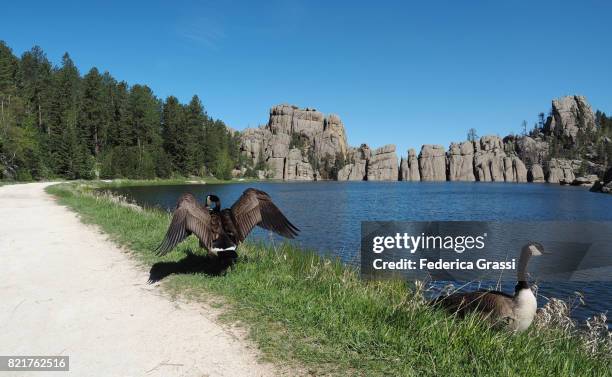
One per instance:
(150,182)
(159,182)
(316,315)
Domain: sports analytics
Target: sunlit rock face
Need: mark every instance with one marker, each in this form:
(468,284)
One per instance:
(570,114)
(489,159)
(514,170)
(461,162)
(293,140)
(305,144)
(432,163)
(536,174)
(561,170)
(356,168)
(409,167)
(383,164)
(297,167)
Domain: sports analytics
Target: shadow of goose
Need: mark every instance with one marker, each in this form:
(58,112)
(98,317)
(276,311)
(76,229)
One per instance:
(193,264)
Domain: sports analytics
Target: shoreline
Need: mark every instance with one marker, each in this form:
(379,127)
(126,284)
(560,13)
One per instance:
(314,312)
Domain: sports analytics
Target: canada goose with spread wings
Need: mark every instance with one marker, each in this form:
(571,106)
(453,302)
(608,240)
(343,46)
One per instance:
(222,230)
(516,311)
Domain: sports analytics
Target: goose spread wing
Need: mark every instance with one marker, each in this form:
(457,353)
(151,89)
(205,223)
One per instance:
(188,218)
(255,207)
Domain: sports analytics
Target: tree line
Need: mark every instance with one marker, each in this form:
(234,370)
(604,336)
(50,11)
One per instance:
(56,123)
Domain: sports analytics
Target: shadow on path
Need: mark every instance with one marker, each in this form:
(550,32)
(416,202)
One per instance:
(193,264)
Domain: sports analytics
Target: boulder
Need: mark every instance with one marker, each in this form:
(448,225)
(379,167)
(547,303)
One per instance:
(536,174)
(263,174)
(569,115)
(236,173)
(531,150)
(382,166)
(561,170)
(461,162)
(514,170)
(489,159)
(605,185)
(432,163)
(586,181)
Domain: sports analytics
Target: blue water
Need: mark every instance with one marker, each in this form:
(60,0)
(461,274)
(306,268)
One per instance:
(329,214)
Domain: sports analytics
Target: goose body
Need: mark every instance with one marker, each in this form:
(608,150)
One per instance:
(515,311)
(222,230)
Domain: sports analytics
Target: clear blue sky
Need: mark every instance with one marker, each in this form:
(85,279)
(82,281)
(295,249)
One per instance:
(395,72)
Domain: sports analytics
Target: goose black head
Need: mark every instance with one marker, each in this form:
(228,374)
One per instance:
(210,199)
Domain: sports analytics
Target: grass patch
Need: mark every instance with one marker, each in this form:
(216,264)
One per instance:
(317,314)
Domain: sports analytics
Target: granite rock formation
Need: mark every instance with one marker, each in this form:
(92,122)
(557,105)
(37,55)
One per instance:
(293,140)
(532,150)
(382,166)
(561,170)
(356,169)
(461,162)
(409,167)
(535,174)
(569,115)
(297,167)
(489,159)
(305,144)
(604,185)
(514,170)
(432,163)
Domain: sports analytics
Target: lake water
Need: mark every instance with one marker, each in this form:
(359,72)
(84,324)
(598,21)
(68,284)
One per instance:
(329,214)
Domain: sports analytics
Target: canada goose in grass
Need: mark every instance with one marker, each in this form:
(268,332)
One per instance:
(222,230)
(516,311)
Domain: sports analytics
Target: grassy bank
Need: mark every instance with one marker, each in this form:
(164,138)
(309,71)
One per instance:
(317,314)
(150,182)
(170,181)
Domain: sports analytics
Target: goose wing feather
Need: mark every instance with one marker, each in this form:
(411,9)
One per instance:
(255,208)
(494,303)
(188,218)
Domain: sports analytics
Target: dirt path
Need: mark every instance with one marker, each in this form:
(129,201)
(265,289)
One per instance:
(66,290)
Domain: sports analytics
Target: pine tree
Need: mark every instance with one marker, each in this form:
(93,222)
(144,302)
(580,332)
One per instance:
(194,129)
(93,114)
(8,70)
(173,127)
(36,86)
(69,157)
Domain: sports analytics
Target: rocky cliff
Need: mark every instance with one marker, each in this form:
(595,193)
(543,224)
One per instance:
(293,141)
(409,167)
(461,162)
(383,164)
(356,169)
(432,163)
(304,144)
(570,115)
